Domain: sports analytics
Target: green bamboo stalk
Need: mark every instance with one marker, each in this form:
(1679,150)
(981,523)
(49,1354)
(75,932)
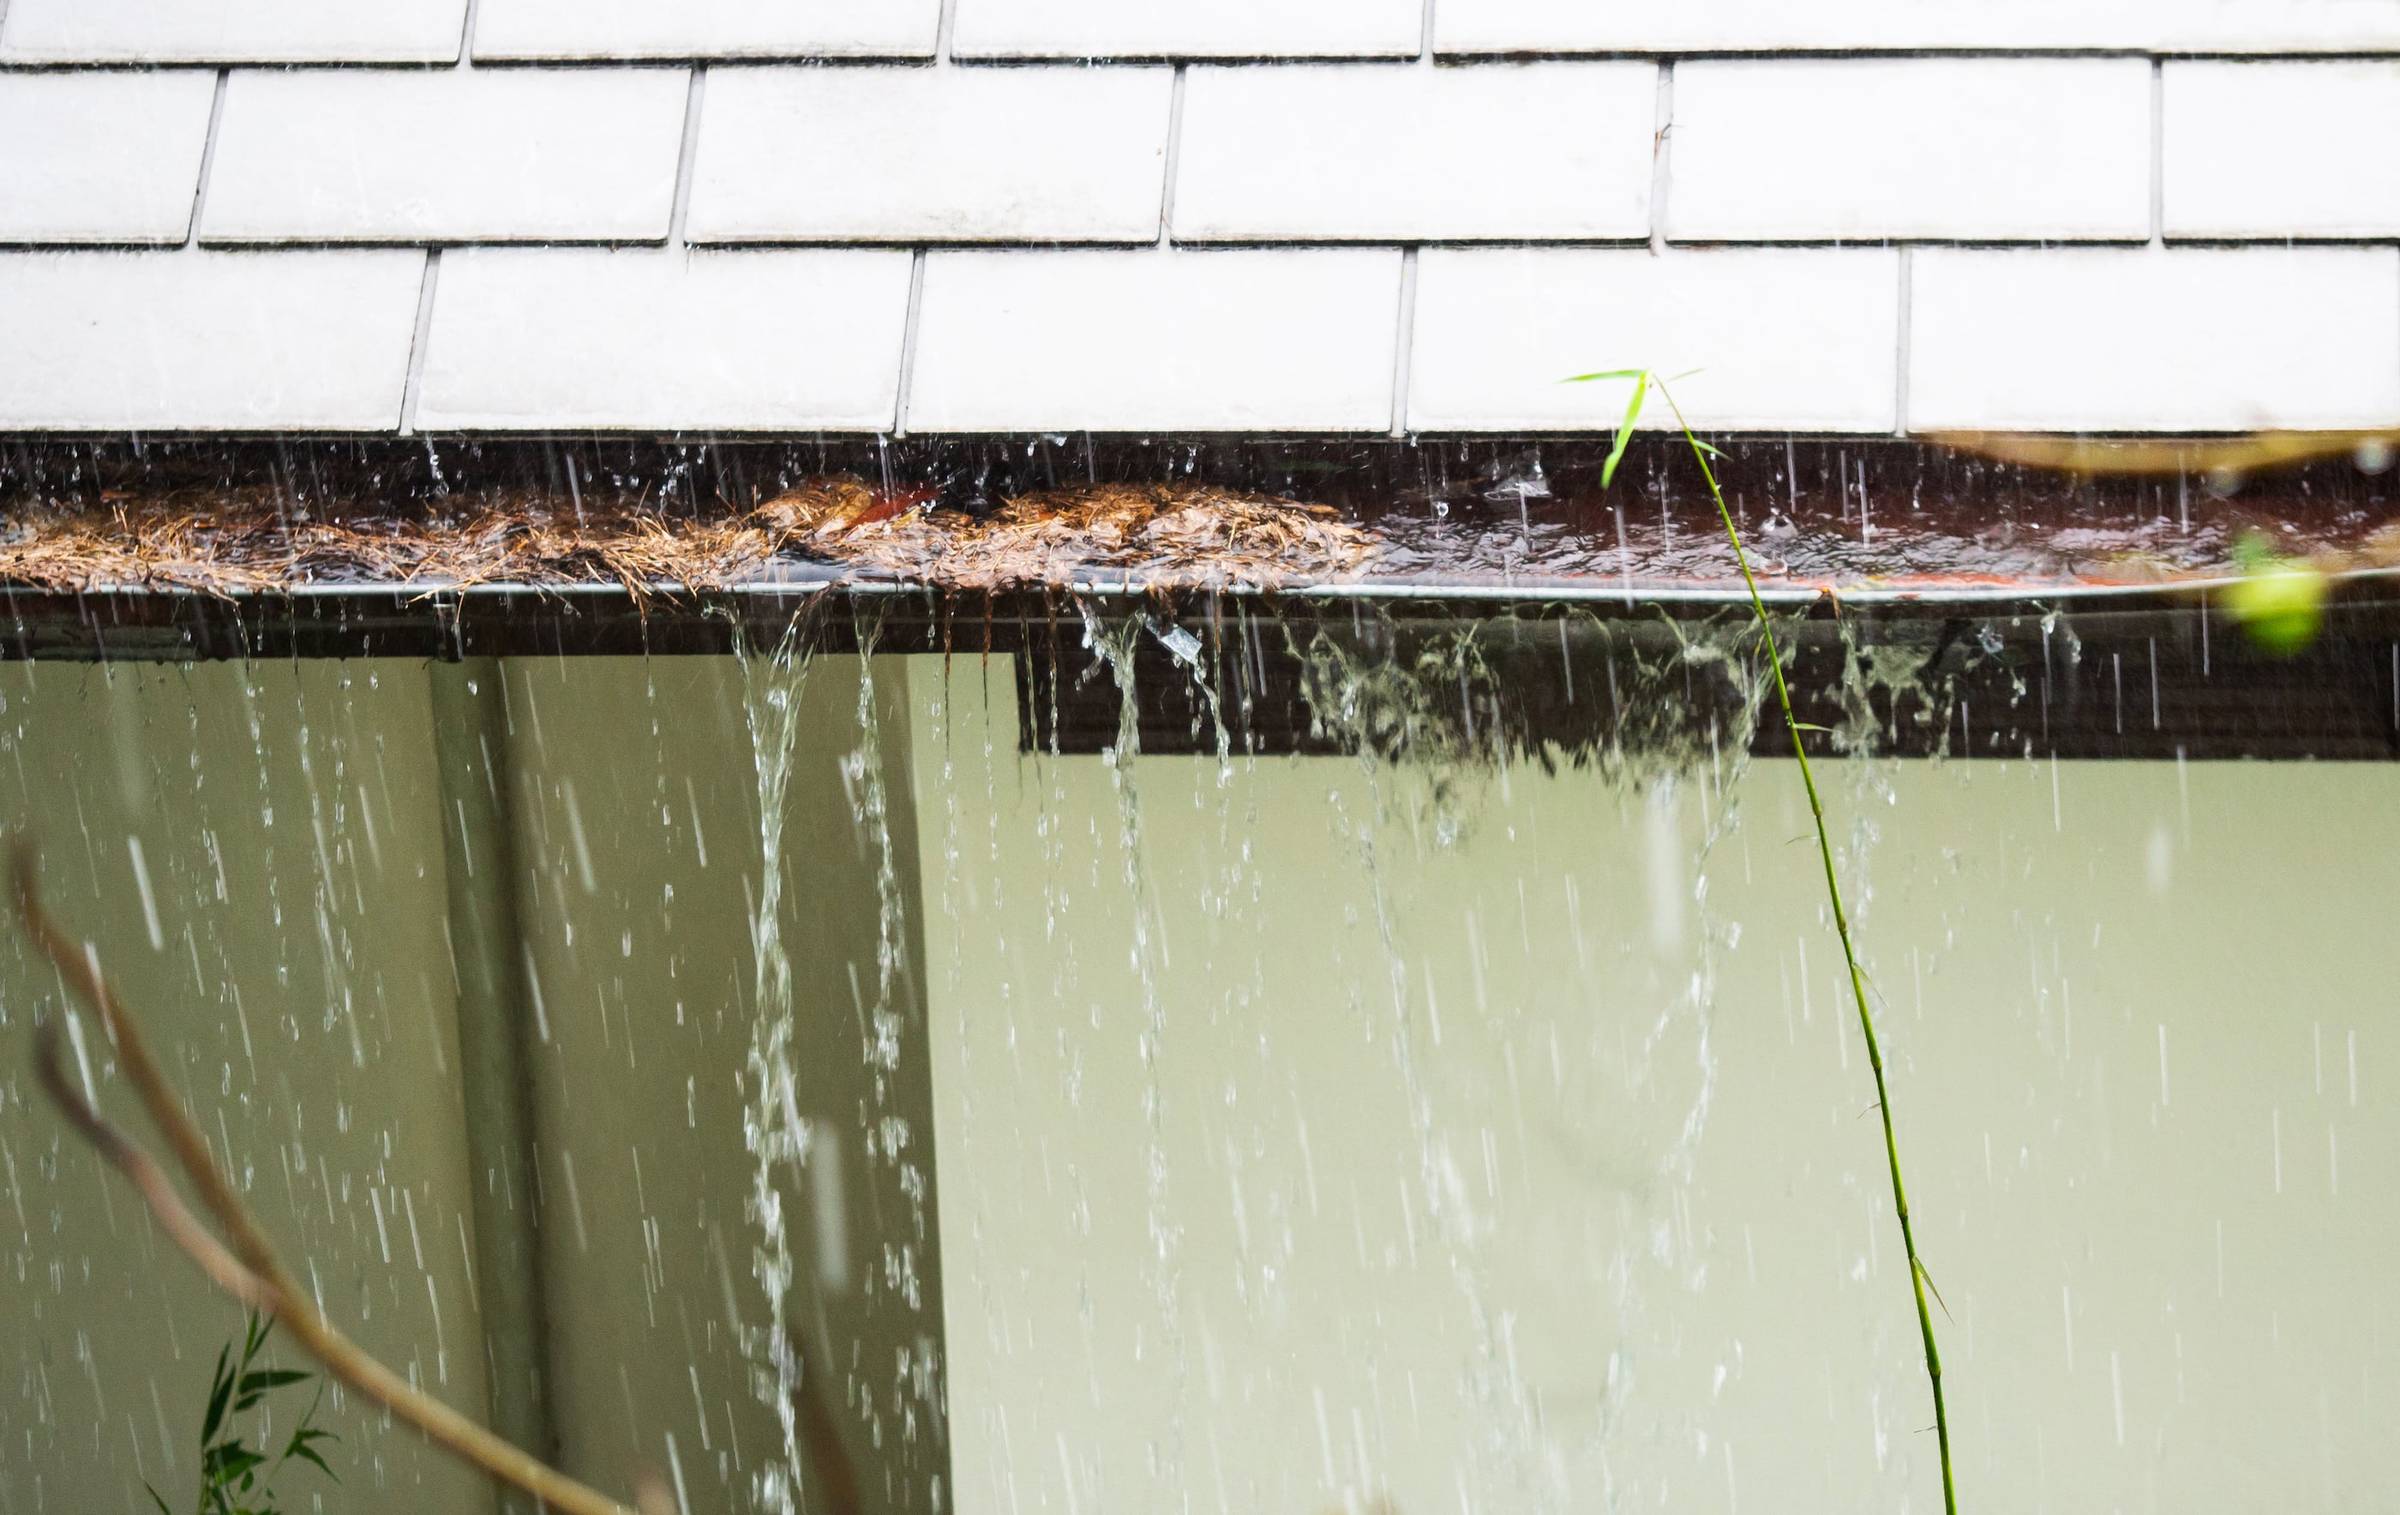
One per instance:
(1644,380)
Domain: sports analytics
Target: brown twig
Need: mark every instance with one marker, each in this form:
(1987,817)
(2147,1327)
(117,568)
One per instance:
(2168,457)
(250,1270)
(149,1180)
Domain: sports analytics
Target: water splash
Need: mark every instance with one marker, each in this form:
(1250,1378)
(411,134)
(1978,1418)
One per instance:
(1113,643)
(777,1135)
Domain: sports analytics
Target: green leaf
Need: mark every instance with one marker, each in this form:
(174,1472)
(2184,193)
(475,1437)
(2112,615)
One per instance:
(255,1386)
(1927,1274)
(220,1390)
(229,1460)
(154,1499)
(2253,552)
(1633,413)
(309,1454)
(1614,373)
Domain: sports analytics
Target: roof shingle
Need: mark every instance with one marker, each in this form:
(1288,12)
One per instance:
(232,31)
(206,341)
(650,340)
(454,155)
(101,157)
(931,155)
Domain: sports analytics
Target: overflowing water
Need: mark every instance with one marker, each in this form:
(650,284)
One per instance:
(779,1137)
(1224,1058)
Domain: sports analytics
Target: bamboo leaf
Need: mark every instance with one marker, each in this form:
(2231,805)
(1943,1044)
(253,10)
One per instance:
(1927,1274)
(271,1378)
(229,1460)
(1633,413)
(220,1390)
(309,1454)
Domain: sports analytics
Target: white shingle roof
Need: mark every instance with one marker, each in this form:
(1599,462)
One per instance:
(231,31)
(1749,26)
(1248,215)
(453,155)
(931,154)
(101,157)
(205,341)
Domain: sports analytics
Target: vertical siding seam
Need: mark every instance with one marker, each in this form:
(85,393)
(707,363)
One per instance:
(1424,36)
(1904,326)
(1661,140)
(1166,190)
(944,28)
(208,159)
(687,155)
(2158,152)
(908,342)
(1404,341)
(412,385)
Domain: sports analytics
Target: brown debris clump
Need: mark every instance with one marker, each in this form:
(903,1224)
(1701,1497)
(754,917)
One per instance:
(236,541)
(1178,534)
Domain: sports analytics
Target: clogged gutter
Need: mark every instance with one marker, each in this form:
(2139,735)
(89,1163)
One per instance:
(1171,536)
(1917,526)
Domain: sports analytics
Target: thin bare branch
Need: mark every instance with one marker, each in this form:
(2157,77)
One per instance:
(149,1180)
(251,1271)
(2169,457)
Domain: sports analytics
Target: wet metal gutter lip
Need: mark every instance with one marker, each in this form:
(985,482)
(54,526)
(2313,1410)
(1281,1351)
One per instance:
(1929,595)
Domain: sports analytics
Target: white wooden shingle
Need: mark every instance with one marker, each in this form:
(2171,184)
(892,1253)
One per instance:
(943,155)
(1758,26)
(1156,340)
(2180,339)
(1398,152)
(664,340)
(564,29)
(2278,150)
(1873,148)
(231,31)
(101,157)
(1295,122)
(1802,339)
(445,156)
(199,341)
(1184,29)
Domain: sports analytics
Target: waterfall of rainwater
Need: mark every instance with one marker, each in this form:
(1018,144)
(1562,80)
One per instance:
(1113,643)
(895,1152)
(1391,714)
(773,1129)
(1429,724)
